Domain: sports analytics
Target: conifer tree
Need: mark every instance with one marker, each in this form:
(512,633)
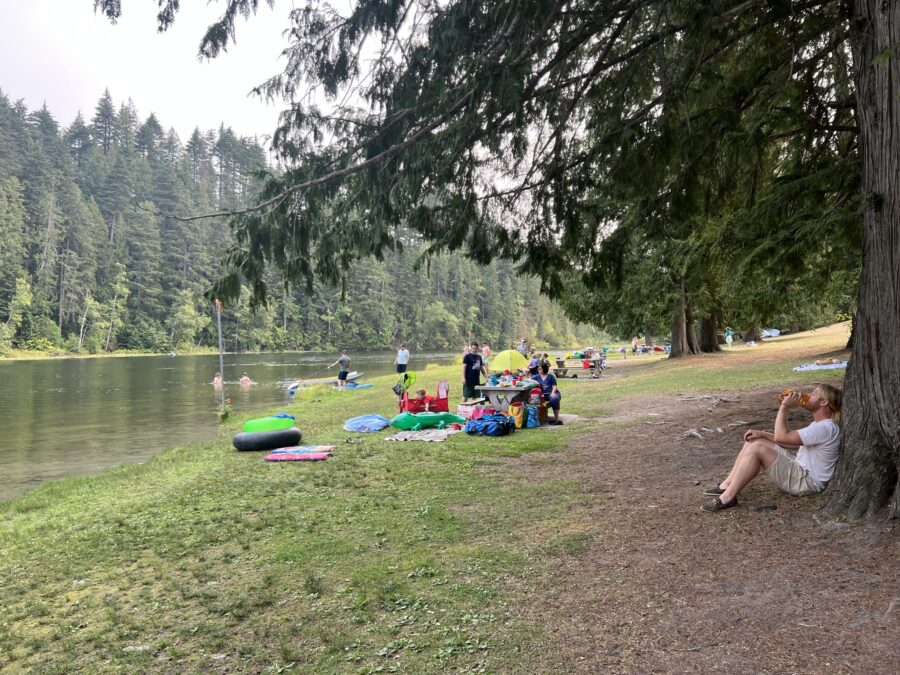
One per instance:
(104,123)
(12,242)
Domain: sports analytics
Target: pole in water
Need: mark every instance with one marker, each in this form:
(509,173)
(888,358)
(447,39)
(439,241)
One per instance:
(221,361)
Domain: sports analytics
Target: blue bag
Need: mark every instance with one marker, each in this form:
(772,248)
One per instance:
(532,420)
(491,425)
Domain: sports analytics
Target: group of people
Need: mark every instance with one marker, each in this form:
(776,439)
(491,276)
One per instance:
(245,380)
(805,472)
(475,365)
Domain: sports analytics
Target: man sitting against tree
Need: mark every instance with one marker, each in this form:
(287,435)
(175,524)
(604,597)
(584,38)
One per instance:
(806,473)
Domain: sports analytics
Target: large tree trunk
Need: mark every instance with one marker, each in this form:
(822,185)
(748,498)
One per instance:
(753,334)
(693,342)
(850,340)
(648,338)
(684,343)
(867,477)
(709,335)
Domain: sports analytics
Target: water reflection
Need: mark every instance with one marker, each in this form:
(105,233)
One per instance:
(80,416)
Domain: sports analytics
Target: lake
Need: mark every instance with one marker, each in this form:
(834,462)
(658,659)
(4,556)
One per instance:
(69,417)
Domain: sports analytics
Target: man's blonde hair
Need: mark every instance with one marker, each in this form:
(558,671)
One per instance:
(835,398)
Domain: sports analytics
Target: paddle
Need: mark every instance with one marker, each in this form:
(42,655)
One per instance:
(296,383)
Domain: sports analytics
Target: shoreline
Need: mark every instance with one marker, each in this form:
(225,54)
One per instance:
(427,554)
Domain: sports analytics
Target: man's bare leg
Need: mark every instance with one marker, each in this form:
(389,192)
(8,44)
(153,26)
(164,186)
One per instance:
(729,479)
(758,455)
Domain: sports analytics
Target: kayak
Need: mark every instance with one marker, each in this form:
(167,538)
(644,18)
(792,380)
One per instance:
(293,384)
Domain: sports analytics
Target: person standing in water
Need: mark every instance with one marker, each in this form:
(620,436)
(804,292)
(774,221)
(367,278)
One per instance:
(217,381)
(246,381)
(343,363)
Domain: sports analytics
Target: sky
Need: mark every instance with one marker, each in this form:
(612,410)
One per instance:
(61,53)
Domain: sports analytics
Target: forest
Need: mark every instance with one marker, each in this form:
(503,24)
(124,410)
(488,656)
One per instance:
(91,259)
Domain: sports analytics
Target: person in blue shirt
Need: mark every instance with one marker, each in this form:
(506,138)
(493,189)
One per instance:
(549,387)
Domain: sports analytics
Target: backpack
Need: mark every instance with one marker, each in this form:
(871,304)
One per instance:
(407,380)
(532,420)
(491,425)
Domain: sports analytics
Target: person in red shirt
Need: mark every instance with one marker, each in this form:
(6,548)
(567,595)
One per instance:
(421,403)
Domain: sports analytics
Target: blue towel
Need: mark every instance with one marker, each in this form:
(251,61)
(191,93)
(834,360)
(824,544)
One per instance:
(366,423)
(813,366)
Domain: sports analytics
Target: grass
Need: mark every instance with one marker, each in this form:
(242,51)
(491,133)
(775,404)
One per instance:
(389,557)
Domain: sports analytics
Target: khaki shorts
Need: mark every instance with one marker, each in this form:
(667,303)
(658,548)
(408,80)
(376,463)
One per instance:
(790,476)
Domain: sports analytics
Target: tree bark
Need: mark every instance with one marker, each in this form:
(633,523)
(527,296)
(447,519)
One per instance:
(83,324)
(709,334)
(753,333)
(867,478)
(648,338)
(851,339)
(684,343)
(112,320)
(690,331)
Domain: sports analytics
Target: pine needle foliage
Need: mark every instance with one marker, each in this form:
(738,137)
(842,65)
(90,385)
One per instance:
(716,139)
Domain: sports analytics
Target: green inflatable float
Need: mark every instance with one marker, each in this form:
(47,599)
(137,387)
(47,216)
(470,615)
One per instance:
(408,421)
(268,424)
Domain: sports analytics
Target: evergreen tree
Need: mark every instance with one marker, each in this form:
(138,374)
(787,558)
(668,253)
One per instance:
(149,136)
(104,123)
(12,242)
(78,140)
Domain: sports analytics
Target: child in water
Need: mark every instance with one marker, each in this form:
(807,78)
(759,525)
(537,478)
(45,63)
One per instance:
(217,381)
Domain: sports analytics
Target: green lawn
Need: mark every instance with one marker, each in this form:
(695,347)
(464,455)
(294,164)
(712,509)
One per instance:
(389,557)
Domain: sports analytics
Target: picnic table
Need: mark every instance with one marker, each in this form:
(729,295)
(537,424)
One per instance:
(501,398)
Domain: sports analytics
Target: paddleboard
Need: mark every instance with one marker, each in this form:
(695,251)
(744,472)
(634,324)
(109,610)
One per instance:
(353,375)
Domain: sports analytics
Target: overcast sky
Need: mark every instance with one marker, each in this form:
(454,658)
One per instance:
(60,53)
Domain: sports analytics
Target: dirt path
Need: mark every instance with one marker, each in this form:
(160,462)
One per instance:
(664,587)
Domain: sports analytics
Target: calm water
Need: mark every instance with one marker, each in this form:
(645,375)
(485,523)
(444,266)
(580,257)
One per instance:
(77,417)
